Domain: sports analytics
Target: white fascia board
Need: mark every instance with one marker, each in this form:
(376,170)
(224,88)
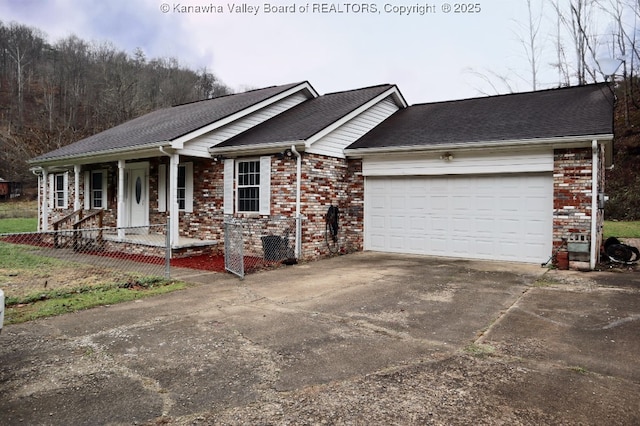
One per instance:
(258,149)
(178,143)
(392,91)
(399,98)
(561,142)
(141,151)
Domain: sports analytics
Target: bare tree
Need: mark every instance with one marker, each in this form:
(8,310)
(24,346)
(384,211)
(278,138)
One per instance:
(23,45)
(530,39)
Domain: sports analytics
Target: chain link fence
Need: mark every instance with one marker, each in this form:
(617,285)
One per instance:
(140,250)
(259,243)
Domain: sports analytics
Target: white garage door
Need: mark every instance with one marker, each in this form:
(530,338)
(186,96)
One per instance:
(500,217)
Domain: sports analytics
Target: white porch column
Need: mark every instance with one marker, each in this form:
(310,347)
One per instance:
(173,199)
(45,200)
(76,183)
(121,203)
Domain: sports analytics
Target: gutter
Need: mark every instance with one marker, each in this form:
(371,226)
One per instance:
(94,156)
(256,149)
(416,149)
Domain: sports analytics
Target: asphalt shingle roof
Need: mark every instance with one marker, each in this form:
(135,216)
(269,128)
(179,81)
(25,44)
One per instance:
(165,124)
(306,119)
(574,111)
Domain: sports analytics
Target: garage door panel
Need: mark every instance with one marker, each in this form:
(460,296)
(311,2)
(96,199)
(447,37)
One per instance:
(398,203)
(418,225)
(502,217)
(377,202)
(485,248)
(398,223)
(461,225)
(439,224)
(438,203)
(417,244)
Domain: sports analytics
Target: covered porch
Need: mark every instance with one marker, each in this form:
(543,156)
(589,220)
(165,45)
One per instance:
(144,200)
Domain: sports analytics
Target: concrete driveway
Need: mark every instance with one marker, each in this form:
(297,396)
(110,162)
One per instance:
(366,338)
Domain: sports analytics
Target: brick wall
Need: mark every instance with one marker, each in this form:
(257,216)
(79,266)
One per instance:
(206,220)
(572,187)
(327,181)
(324,181)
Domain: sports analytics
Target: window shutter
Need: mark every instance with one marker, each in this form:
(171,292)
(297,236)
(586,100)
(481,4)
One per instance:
(87,190)
(265,185)
(162,188)
(105,188)
(66,190)
(229,171)
(52,190)
(188,201)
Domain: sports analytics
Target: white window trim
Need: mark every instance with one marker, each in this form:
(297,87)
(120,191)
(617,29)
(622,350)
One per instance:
(188,196)
(53,192)
(88,189)
(229,175)
(231,188)
(163,188)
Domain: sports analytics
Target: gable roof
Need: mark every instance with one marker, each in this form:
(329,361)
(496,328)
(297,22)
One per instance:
(167,124)
(548,114)
(305,120)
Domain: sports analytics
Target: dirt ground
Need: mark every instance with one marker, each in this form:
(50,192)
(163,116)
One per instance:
(359,339)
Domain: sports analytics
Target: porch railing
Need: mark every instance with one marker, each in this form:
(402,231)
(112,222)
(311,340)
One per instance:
(75,222)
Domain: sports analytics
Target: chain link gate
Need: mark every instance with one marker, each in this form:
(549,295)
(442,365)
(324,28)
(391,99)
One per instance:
(252,244)
(234,248)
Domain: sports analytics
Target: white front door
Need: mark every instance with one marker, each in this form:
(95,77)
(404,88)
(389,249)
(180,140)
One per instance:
(137,197)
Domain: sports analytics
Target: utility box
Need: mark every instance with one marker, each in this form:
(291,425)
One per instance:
(579,247)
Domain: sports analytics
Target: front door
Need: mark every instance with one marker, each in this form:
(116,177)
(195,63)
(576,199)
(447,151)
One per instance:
(137,198)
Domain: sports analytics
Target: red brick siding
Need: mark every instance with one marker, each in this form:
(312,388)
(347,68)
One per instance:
(326,181)
(572,186)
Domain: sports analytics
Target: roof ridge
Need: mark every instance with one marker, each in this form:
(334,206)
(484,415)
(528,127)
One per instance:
(361,88)
(239,93)
(504,95)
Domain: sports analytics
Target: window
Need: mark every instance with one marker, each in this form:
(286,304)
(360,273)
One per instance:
(59,191)
(95,184)
(249,186)
(184,190)
(98,189)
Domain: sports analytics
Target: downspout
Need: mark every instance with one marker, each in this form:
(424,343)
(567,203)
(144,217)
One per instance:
(594,204)
(298,195)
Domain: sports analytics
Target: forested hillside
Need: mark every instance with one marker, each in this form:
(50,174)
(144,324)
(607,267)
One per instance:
(55,93)
(623,181)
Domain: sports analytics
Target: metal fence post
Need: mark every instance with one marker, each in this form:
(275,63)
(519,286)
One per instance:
(167,250)
(298,253)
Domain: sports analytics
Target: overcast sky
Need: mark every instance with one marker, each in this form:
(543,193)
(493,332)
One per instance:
(430,54)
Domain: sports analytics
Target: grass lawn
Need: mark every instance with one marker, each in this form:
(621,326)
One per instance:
(14,225)
(37,286)
(18,216)
(621,229)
